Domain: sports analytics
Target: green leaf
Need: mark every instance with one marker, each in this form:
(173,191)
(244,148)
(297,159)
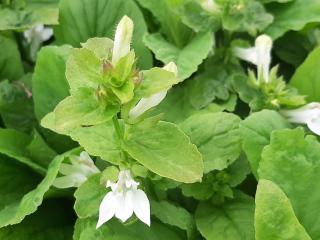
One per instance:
(100,21)
(53,220)
(165,150)
(255,132)
(89,196)
(154,81)
(10,61)
(245,16)
(194,16)
(49,84)
(85,229)
(13,144)
(102,47)
(33,13)
(16,105)
(168,15)
(232,220)
(99,140)
(217,137)
(274,215)
(171,214)
(49,87)
(39,151)
(218,184)
(307,77)
(186,59)
(293,16)
(84,69)
(80,109)
(292,162)
(15,181)
(15,211)
(209,86)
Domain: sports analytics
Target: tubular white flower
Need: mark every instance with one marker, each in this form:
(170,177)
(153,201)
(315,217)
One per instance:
(123,200)
(77,172)
(122,39)
(210,6)
(36,36)
(146,103)
(308,114)
(260,55)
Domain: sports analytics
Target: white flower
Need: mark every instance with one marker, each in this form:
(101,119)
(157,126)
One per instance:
(36,36)
(123,200)
(260,55)
(210,6)
(149,102)
(122,39)
(77,172)
(308,114)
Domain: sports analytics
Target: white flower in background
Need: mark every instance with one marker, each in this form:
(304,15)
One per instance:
(259,55)
(146,103)
(77,172)
(308,114)
(36,36)
(123,200)
(122,39)
(210,6)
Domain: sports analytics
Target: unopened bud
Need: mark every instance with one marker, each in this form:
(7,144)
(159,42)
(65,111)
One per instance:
(122,39)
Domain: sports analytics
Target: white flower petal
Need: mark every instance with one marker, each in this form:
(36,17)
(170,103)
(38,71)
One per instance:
(302,114)
(141,206)
(122,39)
(247,54)
(124,208)
(46,34)
(314,125)
(146,103)
(74,180)
(68,169)
(171,67)
(107,208)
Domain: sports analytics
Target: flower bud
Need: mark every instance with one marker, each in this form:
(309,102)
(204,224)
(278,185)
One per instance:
(122,39)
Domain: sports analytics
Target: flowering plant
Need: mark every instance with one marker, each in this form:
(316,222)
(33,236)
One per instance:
(148,119)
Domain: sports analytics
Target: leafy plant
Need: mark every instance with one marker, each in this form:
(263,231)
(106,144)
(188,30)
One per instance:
(172,119)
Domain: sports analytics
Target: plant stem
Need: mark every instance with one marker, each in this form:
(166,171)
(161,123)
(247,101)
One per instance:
(117,127)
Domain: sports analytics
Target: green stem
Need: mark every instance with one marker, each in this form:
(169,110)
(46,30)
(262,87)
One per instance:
(117,127)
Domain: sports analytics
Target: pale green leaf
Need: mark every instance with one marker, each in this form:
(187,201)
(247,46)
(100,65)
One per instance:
(173,215)
(255,132)
(99,140)
(80,109)
(233,220)
(292,162)
(293,16)
(154,81)
(217,137)
(188,58)
(33,13)
(307,77)
(165,150)
(89,196)
(274,215)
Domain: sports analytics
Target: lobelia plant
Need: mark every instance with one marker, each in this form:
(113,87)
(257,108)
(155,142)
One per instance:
(108,91)
(148,119)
